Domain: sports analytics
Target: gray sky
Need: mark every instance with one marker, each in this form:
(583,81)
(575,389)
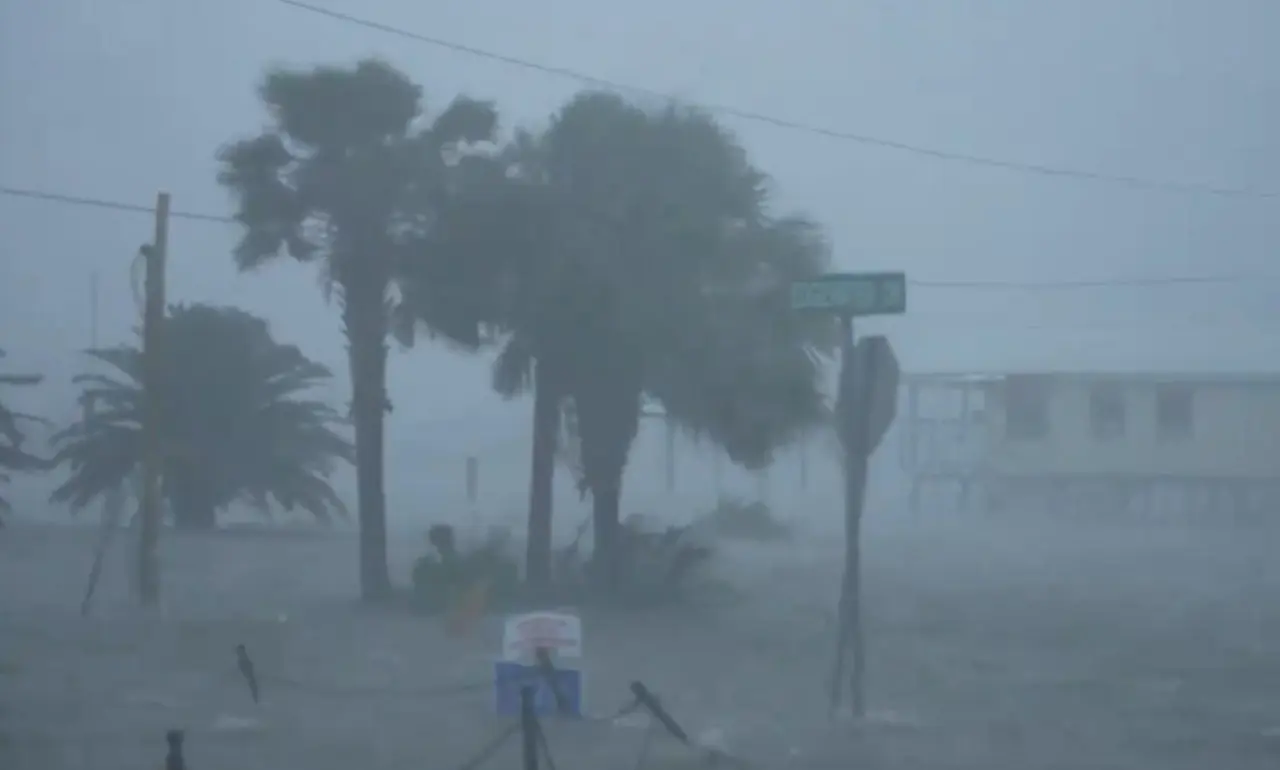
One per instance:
(119,100)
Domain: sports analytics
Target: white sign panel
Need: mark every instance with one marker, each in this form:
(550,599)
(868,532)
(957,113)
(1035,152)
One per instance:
(559,632)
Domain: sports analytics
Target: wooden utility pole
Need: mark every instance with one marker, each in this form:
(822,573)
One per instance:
(152,317)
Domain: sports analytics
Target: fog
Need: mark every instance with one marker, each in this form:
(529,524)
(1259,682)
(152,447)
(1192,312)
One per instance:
(992,643)
(120,103)
(1126,226)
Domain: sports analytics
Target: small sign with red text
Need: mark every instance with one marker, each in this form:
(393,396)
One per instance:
(560,633)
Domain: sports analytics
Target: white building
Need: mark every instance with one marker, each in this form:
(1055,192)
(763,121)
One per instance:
(1145,440)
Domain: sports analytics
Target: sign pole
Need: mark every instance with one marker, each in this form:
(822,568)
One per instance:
(856,455)
(848,295)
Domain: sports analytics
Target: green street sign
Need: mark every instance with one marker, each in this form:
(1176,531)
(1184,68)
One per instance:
(857,294)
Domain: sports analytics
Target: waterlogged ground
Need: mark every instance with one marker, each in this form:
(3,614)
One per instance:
(994,645)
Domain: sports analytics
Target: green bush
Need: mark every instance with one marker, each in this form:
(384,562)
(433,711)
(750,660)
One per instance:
(442,575)
(745,521)
(657,567)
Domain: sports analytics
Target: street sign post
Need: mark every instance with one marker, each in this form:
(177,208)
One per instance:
(850,295)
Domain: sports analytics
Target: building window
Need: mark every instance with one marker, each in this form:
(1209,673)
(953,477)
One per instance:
(1106,411)
(1026,407)
(1175,413)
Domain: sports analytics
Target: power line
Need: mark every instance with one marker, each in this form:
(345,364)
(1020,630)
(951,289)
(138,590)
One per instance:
(1134,282)
(793,125)
(1098,283)
(102,203)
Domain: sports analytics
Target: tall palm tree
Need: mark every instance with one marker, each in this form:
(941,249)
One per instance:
(545,286)
(348,174)
(236,419)
(631,248)
(642,215)
(650,200)
(14,456)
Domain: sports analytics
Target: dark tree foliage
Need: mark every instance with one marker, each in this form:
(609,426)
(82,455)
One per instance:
(745,375)
(15,457)
(621,253)
(238,422)
(640,258)
(350,175)
(676,237)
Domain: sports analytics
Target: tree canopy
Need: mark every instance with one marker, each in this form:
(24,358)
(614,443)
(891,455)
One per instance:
(239,421)
(637,256)
(620,253)
(350,174)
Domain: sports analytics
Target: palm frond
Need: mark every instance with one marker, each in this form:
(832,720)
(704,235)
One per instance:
(14,455)
(237,422)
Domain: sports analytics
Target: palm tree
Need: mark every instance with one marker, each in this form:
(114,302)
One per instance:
(650,200)
(544,282)
(236,422)
(643,215)
(541,304)
(14,457)
(627,260)
(348,175)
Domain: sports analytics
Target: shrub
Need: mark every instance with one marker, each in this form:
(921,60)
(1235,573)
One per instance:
(658,567)
(442,575)
(745,521)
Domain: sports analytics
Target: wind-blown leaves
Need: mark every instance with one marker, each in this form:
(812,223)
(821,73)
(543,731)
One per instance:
(236,424)
(14,456)
(746,373)
(642,259)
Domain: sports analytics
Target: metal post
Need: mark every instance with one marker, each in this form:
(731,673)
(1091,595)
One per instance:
(528,728)
(856,448)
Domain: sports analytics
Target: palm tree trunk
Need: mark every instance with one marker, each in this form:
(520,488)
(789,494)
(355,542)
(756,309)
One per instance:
(608,420)
(546,419)
(606,503)
(366,335)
